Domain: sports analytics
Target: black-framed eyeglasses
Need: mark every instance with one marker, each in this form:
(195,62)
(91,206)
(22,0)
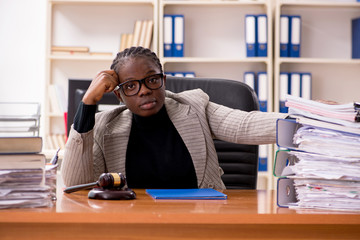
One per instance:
(132,87)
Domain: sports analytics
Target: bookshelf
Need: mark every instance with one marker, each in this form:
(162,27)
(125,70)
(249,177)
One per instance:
(97,25)
(214,46)
(331,70)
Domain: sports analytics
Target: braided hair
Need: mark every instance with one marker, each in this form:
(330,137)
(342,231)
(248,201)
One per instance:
(134,52)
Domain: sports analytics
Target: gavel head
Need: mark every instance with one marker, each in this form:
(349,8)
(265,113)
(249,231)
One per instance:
(112,180)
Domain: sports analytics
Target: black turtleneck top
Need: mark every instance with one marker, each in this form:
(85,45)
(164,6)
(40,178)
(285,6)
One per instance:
(156,155)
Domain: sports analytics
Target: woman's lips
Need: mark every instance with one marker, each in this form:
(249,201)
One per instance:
(148,105)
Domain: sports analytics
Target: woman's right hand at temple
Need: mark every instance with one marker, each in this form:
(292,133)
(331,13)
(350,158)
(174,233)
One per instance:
(104,82)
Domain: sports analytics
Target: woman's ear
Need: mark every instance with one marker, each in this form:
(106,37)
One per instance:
(164,79)
(117,93)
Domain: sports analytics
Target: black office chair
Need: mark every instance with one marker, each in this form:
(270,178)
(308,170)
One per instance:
(239,161)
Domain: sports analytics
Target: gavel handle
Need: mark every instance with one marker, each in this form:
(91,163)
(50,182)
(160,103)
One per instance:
(81,187)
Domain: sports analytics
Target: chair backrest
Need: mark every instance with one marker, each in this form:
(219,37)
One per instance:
(239,161)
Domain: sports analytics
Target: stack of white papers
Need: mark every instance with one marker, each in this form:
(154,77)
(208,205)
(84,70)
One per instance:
(327,142)
(23,182)
(327,194)
(343,114)
(317,166)
(326,172)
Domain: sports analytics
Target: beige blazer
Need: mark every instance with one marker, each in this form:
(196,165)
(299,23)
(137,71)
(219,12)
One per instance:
(197,120)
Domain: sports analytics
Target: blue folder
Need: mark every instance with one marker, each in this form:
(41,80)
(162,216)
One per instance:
(250,80)
(295,36)
(355,38)
(284,90)
(284,36)
(178,36)
(262,35)
(305,85)
(250,35)
(168,35)
(263,159)
(262,91)
(187,194)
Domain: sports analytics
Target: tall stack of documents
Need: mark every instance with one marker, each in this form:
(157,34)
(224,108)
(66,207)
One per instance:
(22,166)
(319,158)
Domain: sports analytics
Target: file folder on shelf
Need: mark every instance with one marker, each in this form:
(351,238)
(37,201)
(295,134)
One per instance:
(295,36)
(306,88)
(295,84)
(168,35)
(189,74)
(181,74)
(283,91)
(262,91)
(178,40)
(263,159)
(249,79)
(355,38)
(262,41)
(250,35)
(284,36)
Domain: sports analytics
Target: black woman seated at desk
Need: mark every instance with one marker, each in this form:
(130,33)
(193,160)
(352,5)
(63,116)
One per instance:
(158,139)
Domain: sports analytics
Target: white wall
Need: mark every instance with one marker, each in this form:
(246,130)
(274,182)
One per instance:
(22,50)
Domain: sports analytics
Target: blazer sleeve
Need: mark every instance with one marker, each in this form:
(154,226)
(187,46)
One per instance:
(78,166)
(242,127)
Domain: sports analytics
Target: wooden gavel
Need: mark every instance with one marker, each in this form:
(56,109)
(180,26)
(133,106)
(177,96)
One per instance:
(106,180)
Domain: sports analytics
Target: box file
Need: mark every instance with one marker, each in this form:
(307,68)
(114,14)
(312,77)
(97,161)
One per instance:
(355,38)
(263,158)
(283,91)
(250,35)
(306,88)
(286,128)
(168,35)
(178,36)
(286,194)
(262,91)
(295,36)
(249,79)
(262,36)
(284,36)
(295,87)
(180,74)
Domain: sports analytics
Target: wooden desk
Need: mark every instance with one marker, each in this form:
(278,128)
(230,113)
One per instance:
(247,214)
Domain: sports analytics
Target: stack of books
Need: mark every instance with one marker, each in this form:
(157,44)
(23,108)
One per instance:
(25,179)
(141,36)
(23,174)
(318,163)
(76,51)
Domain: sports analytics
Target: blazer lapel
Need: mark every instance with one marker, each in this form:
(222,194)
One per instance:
(116,140)
(188,125)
